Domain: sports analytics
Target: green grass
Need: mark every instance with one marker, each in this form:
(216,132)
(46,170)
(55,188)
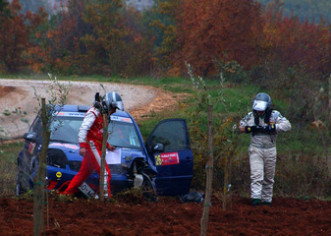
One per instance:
(9,151)
(8,167)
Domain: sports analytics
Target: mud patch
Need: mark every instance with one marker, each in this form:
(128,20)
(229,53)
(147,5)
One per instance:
(162,102)
(5,90)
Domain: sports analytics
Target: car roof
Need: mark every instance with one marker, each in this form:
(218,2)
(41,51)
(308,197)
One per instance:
(84,108)
(73,108)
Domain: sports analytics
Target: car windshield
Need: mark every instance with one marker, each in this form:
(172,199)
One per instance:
(65,129)
(123,134)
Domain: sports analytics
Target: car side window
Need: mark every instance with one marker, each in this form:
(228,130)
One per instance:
(37,127)
(172,134)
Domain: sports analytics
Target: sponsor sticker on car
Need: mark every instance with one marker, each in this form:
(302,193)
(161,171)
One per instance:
(58,175)
(166,159)
(72,114)
(121,119)
(66,145)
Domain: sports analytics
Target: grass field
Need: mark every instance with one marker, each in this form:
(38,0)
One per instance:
(8,167)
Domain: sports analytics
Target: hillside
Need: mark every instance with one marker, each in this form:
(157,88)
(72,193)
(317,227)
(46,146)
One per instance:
(306,9)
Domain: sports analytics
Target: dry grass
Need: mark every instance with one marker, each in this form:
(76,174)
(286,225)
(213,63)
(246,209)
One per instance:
(8,168)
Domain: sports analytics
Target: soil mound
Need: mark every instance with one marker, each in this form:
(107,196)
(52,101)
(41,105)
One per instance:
(168,216)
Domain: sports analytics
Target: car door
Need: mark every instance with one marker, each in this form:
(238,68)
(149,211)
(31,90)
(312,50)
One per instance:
(169,147)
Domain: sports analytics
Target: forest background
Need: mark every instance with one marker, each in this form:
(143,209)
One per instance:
(249,43)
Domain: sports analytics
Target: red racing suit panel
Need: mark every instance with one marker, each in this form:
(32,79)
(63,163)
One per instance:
(91,162)
(90,137)
(91,129)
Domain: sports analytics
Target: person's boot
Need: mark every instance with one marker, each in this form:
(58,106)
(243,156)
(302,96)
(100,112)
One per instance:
(265,203)
(256,201)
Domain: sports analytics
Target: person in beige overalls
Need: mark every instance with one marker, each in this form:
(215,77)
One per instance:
(263,123)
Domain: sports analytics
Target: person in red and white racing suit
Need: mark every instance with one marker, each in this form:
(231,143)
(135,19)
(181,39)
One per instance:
(263,124)
(90,138)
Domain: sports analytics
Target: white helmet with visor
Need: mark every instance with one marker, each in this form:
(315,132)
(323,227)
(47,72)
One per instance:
(262,102)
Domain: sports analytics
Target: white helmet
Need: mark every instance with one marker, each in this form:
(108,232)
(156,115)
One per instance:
(112,100)
(262,102)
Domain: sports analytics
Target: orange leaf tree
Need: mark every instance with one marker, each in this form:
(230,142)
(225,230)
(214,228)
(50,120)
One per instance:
(222,30)
(99,37)
(14,36)
(297,44)
(162,22)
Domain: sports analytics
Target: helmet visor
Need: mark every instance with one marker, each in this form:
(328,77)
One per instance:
(119,105)
(259,105)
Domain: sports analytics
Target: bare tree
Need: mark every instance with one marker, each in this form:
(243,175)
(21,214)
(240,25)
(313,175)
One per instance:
(206,102)
(39,188)
(103,156)
(209,173)
(58,93)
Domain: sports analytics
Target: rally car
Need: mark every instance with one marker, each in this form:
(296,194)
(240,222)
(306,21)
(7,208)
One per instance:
(164,163)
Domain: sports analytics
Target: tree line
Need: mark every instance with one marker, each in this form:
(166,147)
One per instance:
(106,37)
(313,11)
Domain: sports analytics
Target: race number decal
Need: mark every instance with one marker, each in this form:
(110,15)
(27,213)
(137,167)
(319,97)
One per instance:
(165,159)
(158,160)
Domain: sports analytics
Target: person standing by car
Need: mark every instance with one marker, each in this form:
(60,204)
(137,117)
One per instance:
(263,123)
(90,140)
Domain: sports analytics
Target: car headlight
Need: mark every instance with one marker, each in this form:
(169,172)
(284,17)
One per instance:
(117,169)
(75,165)
(57,158)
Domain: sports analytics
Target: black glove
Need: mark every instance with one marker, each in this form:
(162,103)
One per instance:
(97,97)
(252,129)
(270,129)
(97,100)
(248,129)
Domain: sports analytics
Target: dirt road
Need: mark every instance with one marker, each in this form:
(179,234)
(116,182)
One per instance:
(20,94)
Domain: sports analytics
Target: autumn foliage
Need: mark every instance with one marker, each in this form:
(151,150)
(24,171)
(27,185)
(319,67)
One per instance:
(15,30)
(297,43)
(94,38)
(106,37)
(223,30)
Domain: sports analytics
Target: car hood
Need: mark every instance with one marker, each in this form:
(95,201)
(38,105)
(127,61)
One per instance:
(70,149)
(128,155)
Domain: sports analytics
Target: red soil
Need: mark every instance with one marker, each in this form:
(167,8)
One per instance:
(168,217)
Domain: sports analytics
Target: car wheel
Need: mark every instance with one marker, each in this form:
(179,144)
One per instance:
(148,189)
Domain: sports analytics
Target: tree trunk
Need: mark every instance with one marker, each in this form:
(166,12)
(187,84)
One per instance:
(328,125)
(209,174)
(329,114)
(103,158)
(226,182)
(39,184)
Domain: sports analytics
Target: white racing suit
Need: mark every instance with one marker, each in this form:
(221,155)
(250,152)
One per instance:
(263,154)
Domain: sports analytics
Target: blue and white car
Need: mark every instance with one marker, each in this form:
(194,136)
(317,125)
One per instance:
(164,163)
